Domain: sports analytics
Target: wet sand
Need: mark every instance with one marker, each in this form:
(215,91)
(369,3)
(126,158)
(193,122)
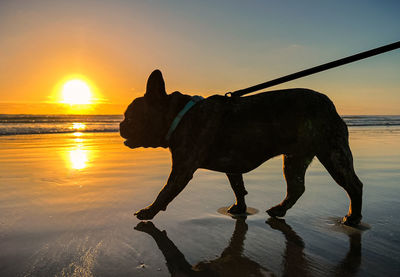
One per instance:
(67,204)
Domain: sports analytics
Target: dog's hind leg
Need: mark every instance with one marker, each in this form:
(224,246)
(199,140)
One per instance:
(338,160)
(294,169)
(237,184)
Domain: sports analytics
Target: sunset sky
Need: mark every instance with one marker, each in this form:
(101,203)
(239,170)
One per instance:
(202,47)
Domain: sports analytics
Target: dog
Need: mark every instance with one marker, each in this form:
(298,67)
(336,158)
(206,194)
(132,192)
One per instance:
(235,135)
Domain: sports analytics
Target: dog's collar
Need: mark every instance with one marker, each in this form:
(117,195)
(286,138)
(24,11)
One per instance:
(180,115)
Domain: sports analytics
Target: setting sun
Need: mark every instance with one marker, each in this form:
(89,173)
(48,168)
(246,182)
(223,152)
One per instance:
(76,92)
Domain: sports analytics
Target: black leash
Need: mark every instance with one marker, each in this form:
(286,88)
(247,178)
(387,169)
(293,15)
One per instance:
(316,69)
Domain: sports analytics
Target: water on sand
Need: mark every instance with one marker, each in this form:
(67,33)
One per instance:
(67,203)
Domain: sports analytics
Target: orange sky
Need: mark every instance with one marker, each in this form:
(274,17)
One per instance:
(202,48)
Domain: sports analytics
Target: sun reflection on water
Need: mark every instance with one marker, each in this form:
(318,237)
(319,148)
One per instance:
(78,155)
(78,158)
(78,126)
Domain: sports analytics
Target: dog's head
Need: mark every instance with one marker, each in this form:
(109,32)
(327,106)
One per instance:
(146,123)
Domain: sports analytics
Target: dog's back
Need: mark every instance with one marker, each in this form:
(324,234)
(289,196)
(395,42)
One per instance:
(258,127)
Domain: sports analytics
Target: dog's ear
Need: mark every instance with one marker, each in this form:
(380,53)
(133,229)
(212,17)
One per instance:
(155,91)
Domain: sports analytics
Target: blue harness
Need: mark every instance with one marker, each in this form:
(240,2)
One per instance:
(180,115)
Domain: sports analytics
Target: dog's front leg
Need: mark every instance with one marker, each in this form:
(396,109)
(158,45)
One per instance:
(177,181)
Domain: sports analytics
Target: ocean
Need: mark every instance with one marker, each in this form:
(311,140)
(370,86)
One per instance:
(18,124)
(23,124)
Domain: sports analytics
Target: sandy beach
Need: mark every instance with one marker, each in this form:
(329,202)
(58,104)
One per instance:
(67,204)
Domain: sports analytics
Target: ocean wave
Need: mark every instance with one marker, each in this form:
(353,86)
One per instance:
(23,118)
(36,132)
(52,124)
(368,121)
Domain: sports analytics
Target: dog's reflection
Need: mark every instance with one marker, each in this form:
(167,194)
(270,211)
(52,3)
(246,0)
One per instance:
(295,262)
(232,262)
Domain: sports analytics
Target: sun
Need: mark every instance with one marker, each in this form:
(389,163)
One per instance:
(76,92)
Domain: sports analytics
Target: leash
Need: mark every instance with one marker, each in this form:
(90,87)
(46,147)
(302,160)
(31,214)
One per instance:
(316,69)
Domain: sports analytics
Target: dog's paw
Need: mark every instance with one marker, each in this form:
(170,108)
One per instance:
(237,209)
(145,226)
(145,214)
(277,223)
(351,220)
(277,211)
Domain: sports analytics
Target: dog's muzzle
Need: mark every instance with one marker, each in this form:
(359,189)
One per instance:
(122,130)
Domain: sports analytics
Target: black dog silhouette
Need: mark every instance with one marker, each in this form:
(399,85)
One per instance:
(236,135)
